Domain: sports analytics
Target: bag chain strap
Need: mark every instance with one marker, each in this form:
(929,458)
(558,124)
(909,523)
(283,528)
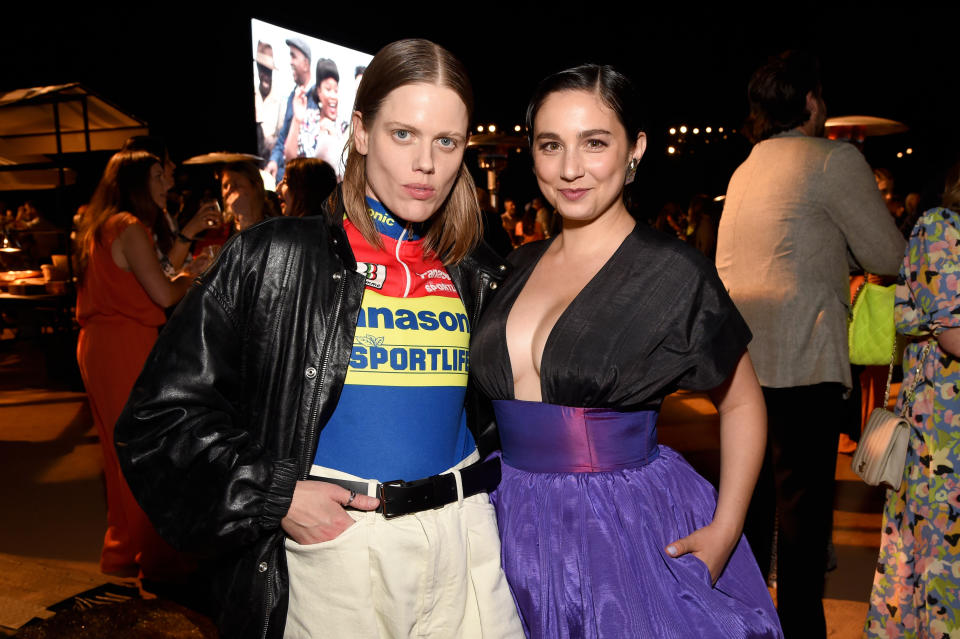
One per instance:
(911,393)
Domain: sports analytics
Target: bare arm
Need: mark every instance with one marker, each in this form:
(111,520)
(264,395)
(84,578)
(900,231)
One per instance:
(206,217)
(950,341)
(133,251)
(743,436)
(291,146)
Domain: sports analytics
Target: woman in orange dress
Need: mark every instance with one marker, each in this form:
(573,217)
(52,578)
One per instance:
(120,301)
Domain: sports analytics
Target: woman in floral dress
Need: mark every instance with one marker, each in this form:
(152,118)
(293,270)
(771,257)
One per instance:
(916,589)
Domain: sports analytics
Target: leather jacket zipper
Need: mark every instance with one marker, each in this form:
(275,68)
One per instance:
(476,307)
(268,592)
(311,440)
(325,361)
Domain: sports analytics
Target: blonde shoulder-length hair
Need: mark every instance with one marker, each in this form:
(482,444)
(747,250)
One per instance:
(455,229)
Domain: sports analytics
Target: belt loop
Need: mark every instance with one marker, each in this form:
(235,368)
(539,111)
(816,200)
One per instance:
(372,485)
(456,477)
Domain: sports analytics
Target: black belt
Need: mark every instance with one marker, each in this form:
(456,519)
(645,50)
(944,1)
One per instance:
(400,497)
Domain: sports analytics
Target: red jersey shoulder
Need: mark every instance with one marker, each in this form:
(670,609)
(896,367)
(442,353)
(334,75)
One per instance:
(411,274)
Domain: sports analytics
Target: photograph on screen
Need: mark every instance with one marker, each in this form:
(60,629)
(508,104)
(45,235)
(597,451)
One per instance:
(304,89)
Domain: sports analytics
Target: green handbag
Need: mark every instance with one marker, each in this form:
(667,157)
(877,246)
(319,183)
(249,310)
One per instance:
(871,332)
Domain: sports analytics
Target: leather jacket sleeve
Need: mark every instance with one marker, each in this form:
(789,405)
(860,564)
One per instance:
(196,467)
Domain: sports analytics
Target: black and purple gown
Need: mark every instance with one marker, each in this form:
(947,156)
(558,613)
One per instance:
(588,499)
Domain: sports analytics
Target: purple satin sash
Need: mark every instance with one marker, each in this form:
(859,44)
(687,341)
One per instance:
(548,438)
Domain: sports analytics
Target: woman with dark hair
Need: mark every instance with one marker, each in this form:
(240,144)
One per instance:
(605,533)
(306,185)
(319,360)
(173,243)
(316,133)
(122,293)
(918,571)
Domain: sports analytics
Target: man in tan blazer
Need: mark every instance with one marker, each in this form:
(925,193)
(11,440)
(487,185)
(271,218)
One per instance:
(796,212)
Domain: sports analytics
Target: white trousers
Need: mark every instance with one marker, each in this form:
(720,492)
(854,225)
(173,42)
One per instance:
(433,574)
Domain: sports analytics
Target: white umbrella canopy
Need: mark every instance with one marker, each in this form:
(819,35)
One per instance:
(31,118)
(24,179)
(870,125)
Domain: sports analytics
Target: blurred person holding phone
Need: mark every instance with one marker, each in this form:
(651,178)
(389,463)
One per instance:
(172,242)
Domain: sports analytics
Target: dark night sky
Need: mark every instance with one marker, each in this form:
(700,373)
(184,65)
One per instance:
(189,76)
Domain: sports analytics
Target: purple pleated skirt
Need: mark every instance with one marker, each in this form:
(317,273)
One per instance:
(586,506)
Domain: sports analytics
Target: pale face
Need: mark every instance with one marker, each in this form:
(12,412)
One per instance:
(158,186)
(580,154)
(327,95)
(413,149)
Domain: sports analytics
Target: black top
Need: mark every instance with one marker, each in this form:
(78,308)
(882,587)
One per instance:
(655,318)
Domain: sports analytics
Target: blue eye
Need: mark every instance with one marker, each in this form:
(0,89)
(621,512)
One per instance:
(447,142)
(401,134)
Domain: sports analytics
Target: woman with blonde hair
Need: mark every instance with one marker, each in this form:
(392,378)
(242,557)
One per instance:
(319,442)
(122,293)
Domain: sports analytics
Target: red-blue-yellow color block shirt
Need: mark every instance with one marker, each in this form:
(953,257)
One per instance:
(400,414)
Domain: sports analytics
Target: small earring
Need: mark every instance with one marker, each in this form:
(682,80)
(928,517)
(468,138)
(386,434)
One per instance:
(631,171)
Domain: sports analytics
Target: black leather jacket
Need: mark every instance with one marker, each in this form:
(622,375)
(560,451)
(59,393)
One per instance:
(224,419)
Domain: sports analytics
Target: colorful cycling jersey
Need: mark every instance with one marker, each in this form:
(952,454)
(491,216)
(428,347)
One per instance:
(400,414)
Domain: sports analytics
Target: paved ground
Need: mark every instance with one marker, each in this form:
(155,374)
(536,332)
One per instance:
(54,512)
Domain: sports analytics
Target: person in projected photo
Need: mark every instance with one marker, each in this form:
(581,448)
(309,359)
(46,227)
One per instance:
(315,132)
(267,103)
(305,420)
(605,533)
(300,64)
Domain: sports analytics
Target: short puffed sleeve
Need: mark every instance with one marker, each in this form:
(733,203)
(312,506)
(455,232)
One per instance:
(928,287)
(712,338)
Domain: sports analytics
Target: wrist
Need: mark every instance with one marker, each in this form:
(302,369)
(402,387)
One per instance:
(183,238)
(729,530)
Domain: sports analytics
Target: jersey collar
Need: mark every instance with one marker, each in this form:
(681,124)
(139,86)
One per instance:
(390,225)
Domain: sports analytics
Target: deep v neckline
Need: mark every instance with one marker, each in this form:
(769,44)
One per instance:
(560,318)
